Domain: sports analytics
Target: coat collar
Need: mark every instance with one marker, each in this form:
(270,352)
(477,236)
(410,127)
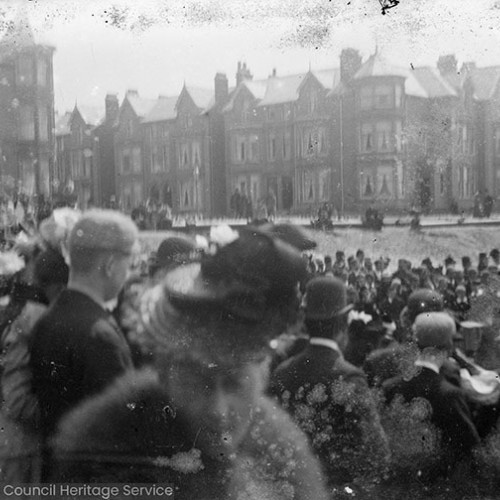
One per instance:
(330,344)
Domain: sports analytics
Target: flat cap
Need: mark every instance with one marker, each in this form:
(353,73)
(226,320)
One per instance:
(104,230)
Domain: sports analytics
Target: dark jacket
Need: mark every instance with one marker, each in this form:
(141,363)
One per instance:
(77,349)
(330,400)
(133,432)
(449,411)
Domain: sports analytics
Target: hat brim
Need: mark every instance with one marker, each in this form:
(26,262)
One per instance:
(186,284)
(335,314)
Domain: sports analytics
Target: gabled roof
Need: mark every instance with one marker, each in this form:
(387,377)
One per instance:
(164,109)
(202,98)
(62,124)
(140,105)
(282,89)
(376,65)
(329,78)
(485,82)
(432,82)
(256,87)
(91,115)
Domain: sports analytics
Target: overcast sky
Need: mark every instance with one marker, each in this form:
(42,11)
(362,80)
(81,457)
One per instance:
(155,45)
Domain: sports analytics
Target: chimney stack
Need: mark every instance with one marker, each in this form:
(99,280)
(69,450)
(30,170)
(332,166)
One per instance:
(221,88)
(447,64)
(112,107)
(468,67)
(243,73)
(350,62)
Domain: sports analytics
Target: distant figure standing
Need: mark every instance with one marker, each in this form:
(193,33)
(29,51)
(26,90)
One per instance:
(234,203)
(488,205)
(271,204)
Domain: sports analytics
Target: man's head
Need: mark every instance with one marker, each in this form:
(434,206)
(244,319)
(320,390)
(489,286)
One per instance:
(434,331)
(424,300)
(495,255)
(50,272)
(100,250)
(339,256)
(326,307)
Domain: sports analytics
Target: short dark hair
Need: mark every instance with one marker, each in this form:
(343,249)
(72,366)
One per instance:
(84,260)
(50,268)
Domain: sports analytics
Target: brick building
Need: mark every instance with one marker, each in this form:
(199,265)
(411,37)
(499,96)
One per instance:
(365,133)
(26,111)
(77,156)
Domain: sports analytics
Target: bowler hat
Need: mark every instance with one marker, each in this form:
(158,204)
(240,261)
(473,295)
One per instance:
(423,300)
(293,235)
(174,249)
(434,329)
(325,298)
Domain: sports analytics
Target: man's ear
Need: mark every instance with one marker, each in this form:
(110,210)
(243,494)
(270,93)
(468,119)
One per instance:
(108,263)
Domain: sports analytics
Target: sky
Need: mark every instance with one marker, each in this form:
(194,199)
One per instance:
(155,46)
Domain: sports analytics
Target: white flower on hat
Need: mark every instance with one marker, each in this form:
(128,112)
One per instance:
(223,235)
(10,263)
(358,316)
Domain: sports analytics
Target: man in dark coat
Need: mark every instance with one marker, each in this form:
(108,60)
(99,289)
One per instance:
(448,410)
(77,347)
(327,396)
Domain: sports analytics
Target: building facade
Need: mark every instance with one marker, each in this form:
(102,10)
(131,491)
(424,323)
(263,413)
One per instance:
(27,125)
(363,134)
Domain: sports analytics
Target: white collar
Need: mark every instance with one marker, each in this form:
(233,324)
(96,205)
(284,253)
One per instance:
(427,364)
(331,344)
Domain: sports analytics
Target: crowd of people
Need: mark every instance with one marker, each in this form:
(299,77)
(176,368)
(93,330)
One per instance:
(243,366)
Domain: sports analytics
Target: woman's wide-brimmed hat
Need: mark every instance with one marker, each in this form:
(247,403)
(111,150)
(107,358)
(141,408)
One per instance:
(245,278)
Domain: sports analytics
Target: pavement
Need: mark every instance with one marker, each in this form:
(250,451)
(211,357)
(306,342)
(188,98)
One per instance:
(355,221)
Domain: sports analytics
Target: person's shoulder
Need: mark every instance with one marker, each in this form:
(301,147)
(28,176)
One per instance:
(104,422)
(347,370)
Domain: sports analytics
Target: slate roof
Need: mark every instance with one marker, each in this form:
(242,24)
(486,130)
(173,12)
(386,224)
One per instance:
(434,84)
(376,65)
(423,82)
(485,82)
(282,89)
(203,98)
(164,109)
(329,78)
(140,105)
(92,115)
